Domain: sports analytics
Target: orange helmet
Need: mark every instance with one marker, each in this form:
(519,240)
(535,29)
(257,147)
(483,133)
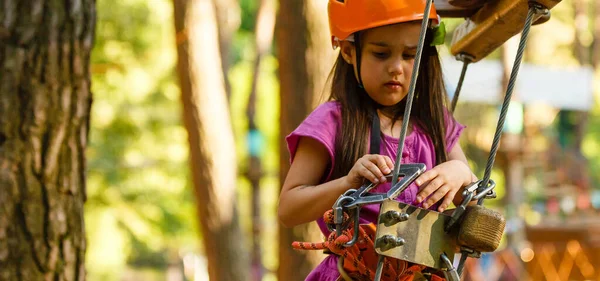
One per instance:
(349,16)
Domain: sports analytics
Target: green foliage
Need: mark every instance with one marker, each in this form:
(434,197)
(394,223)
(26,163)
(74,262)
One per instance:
(139,202)
(591,143)
(267,112)
(249,8)
(140,211)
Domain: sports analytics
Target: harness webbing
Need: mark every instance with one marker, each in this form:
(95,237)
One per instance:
(375,134)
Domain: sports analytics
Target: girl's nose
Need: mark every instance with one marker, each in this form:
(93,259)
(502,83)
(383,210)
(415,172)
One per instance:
(395,67)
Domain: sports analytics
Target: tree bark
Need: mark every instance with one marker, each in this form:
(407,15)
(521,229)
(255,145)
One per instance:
(45,102)
(228,16)
(305,57)
(210,136)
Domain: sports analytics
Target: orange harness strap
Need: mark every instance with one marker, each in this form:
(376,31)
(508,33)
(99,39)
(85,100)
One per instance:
(360,260)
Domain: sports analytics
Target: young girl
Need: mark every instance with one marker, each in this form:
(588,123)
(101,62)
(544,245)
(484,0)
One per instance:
(331,150)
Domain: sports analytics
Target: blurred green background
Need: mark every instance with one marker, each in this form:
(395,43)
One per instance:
(140,213)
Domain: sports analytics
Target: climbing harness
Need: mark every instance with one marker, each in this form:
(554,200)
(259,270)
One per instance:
(407,239)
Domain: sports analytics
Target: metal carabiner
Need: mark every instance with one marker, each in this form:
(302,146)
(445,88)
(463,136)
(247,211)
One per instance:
(356,229)
(338,211)
(468,196)
(450,272)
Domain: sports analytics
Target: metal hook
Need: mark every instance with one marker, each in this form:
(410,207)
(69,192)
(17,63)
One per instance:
(356,229)
(449,272)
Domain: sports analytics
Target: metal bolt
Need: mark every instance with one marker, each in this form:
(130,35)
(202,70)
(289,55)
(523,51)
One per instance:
(390,218)
(388,242)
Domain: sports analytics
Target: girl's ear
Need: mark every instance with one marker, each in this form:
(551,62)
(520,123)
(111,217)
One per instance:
(348,51)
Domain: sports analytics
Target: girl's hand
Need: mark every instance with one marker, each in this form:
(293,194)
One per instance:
(371,167)
(443,181)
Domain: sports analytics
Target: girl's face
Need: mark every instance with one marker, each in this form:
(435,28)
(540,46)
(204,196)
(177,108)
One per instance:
(387,59)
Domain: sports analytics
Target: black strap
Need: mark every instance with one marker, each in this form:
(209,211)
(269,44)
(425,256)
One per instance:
(375,135)
(375,127)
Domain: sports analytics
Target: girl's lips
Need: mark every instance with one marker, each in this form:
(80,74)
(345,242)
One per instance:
(393,85)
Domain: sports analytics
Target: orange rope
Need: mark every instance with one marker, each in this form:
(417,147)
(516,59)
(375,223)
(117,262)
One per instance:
(360,260)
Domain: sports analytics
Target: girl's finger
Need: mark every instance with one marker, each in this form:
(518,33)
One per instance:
(427,176)
(447,200)
(374,170)
(436,196)
(368,174)
(382,165)
(389,162)
(429,188)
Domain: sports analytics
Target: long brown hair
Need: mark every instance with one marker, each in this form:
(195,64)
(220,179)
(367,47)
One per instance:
(357,108)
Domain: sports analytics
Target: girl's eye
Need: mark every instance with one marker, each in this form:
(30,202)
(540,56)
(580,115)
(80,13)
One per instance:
(380,55)
(409,56)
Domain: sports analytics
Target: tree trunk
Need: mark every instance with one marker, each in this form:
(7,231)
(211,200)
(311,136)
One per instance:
(210,136)
(263,39)
(228,16)
(45,101)
(305,58)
